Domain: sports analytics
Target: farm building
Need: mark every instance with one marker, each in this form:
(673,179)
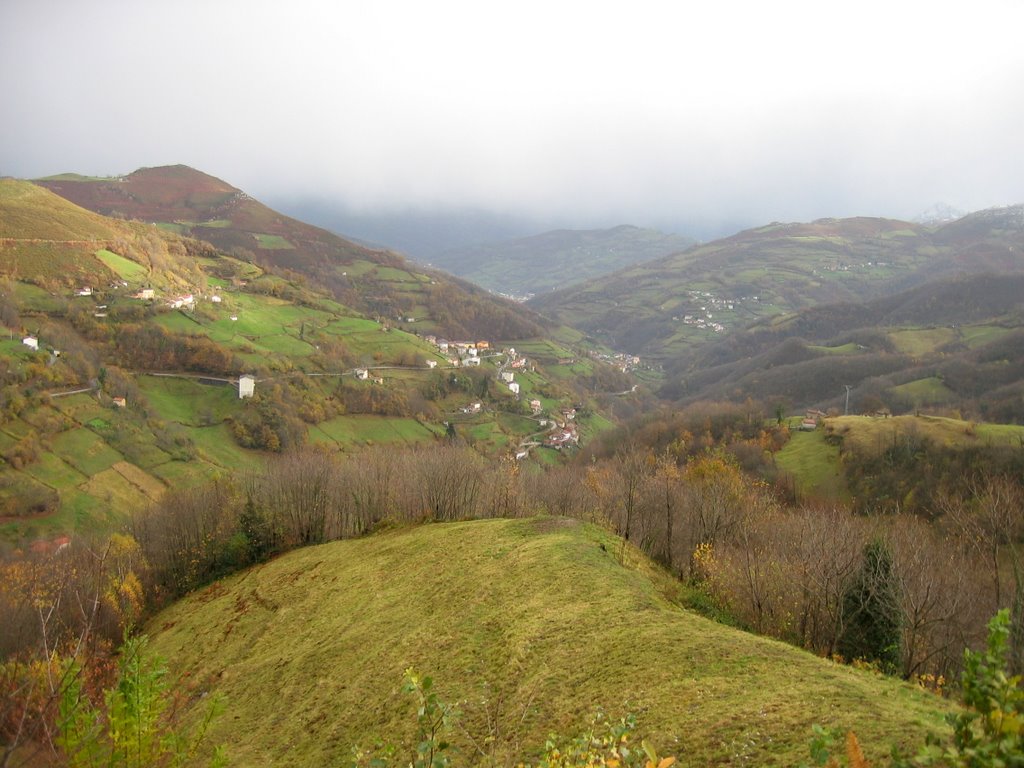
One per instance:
(246,386)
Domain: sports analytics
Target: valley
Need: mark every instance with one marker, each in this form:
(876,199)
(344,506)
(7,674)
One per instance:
(301,460)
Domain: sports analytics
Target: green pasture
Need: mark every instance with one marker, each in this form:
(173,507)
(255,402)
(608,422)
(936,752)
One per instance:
(366,429)
(216,445)
(842,349)
(393,275)
(84,450)
(188,402)
(172,227)
(53,471)
(813,464)
(82,407)
(182,474)
(927,391)
(272,242)
(35,299)
(872,435)
(486,436)
(918,342)
(126,269)
(980,335)
(593,425)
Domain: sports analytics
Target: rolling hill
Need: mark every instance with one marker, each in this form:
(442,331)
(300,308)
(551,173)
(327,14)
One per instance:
(665,308)
(379,283)
(557,259)
(954,343)
(124,345)
(531,626)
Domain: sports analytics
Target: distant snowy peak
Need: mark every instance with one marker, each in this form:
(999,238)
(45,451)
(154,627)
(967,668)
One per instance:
(940,213)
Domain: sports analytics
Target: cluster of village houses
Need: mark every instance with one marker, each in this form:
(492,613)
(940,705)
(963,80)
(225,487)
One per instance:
(466,354)
(181,301)
(621,360)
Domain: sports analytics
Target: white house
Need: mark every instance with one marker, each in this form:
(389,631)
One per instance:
(513,387)
(246,386)
(147,293)
(508,377)
(31,342)
(471,361)
(431,363)
(362,374)
(215,299)
(84,292)
(535,406)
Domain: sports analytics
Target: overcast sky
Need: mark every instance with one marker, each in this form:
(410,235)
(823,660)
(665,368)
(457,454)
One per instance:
(620,112)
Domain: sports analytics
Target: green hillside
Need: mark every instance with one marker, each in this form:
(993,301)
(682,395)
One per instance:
(825,462)
(558,259)
(531,626)
(375,282)
(122,309)
(667,307)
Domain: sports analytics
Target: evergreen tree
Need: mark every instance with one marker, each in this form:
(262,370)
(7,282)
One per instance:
(871,610)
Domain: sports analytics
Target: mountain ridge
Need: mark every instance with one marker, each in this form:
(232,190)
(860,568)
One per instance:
(557,258)
(776,269)
(376,282)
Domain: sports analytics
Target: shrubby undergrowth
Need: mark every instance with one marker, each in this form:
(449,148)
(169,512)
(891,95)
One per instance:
(903,592)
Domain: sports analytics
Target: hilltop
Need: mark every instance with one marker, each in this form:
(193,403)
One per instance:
(530,625)
(375,282)
(557,259)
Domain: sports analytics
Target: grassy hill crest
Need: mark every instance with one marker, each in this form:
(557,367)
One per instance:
(531,625)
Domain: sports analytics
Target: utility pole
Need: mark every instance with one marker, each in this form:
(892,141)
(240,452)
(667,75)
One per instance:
(846,411)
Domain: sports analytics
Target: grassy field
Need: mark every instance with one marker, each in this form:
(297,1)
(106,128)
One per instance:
(126,269)
(86,451)
(979,335)
(921,341)
(864,433)
(188,402)
(814,465)
(272,242)
(356,430)
(532,625)
(925,391)
(843,349)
